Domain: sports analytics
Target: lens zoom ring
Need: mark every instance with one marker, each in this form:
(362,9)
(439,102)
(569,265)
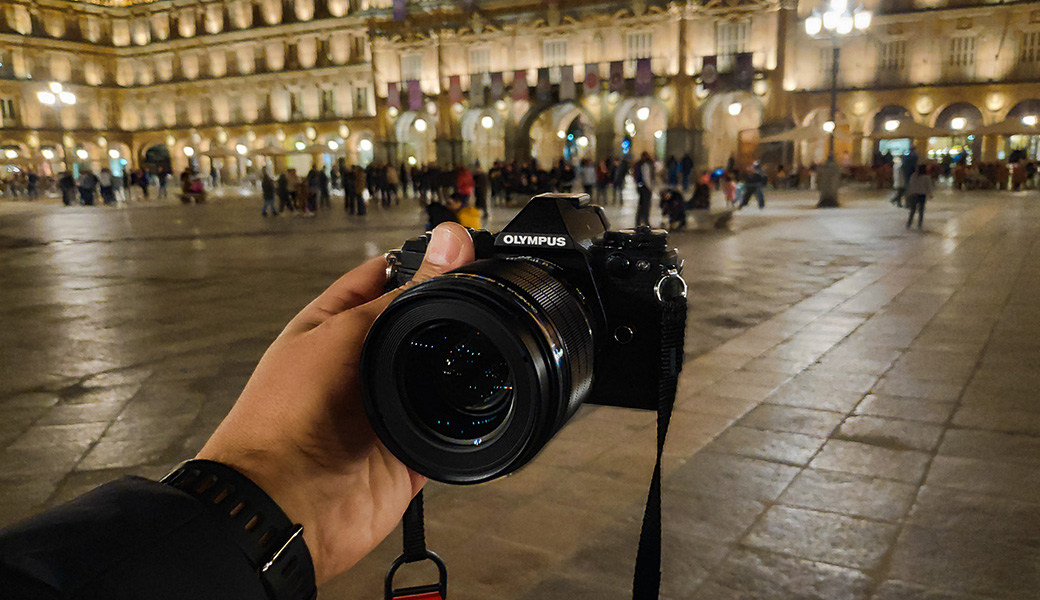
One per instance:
(562,309)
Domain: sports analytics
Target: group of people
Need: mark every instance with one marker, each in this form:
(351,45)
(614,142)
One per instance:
(87,187)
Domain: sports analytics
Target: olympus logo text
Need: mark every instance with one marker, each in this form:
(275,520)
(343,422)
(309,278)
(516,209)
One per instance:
(524,239)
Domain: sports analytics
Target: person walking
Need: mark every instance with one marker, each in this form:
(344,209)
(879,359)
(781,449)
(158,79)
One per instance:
(918,189)
(267,187)
(87,185)
(907,169)
(162,176)
(31,182)
(282,187)
(108,198)
(67,185)
(686,168)
(644,175)
(481,184)
(588,176)
(753,184)
(619,172)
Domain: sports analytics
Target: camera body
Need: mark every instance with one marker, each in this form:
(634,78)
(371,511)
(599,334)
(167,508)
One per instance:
(629,280)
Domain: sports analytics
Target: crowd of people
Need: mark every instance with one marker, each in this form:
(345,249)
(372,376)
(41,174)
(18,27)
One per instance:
(88,188)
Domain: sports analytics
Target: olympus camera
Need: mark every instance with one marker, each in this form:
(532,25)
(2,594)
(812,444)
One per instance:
(467,376)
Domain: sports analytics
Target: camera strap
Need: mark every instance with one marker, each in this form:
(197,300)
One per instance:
(646,583)
(414,530)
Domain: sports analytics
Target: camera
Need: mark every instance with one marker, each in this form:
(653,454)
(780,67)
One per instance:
(468,375)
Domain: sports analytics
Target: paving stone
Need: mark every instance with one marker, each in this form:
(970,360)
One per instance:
(895,434)
(918,388)
(900,590)
(775,446)
(73,436)
(992,445)
(792,419)
(864,459)
(981,515)
(854,495)
(825,537)
(1008,421)
(728,476)
(1011,481)
(913,409)
(832,400)
(751,574)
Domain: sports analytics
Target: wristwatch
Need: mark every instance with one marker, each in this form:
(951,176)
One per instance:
(271,543)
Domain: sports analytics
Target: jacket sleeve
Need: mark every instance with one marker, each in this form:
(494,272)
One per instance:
(132,538)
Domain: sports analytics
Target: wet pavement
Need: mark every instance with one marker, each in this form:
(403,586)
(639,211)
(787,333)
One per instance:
(858,416)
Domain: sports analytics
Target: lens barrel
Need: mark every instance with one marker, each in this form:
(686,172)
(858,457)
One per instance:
(468,375)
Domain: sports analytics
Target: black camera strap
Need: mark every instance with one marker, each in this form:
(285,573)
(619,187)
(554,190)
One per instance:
(646,584)
(414,530)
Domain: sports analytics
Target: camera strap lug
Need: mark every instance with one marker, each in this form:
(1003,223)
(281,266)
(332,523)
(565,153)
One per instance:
(415,551)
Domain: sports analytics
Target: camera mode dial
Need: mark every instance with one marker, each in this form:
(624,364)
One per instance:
(642,237)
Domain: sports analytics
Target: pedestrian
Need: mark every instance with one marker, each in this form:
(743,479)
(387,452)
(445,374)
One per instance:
(686,167)
(729,188)
(644,175)
(31,181)
(282,189)
(163,176)
(673,208)
(464,184)
(907,168)
(67,185)
(325,197)
(753,184)
(87,185)
(481,185)
(918,189)
(313,189)
(588,176)
(267,187)
(619,173)
(105,183)
(142,182)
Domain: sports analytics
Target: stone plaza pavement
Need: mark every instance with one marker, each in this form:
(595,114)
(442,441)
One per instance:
(858,416)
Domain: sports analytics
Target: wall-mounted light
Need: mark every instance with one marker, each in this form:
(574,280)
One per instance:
(958,123)
(11,154)
(735,108)
(828,126)
(48,153)
(658,134)
(420,125)
(561,134)
(1030,120)
(487,122)
(643,113)
(365,145)
(300,146)
(241,148)
(333,145)
(82,154)
(113,153)
(189,151)
(891,125)
(583,142)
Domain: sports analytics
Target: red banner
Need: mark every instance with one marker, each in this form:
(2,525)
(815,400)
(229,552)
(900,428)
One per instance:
(455,89)
(591,77)
(520,90)
(393,95)
(617,76)
(414,95)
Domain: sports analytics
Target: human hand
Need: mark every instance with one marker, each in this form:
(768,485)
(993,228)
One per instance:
(299,431)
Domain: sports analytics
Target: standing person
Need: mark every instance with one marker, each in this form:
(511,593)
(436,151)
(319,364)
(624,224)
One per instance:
(644,175)
(918,189)
(359,190)
(481,184)
(346,175)
(906,170)
(620,172)
(392,180)
(464,184)
(267,188)
(671,169)
(729,188)
(588,176)
(87,185)
(142,182)
(163,176)
(753,184)
(313,188)
(324,199)
(105,183)
(67,185)
(686,168)
(282,188)
(31,181)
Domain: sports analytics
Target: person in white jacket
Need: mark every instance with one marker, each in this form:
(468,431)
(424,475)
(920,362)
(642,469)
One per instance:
(918,189)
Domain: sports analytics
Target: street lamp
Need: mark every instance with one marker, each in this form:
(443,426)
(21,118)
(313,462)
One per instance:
(838,20)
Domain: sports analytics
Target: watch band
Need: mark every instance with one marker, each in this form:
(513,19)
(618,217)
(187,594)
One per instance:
(272,544)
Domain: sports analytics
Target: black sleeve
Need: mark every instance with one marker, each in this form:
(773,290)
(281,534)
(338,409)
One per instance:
(132,538)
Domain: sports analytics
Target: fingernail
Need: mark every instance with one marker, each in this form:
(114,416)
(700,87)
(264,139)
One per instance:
(444,247)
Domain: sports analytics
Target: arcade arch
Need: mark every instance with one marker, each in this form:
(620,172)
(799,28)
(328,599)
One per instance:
(731,121)
(483,136)
(558,131)
(641,125)
(416,133)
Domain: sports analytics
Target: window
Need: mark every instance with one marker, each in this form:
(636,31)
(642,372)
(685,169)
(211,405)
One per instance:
(892,55)
(1030,47)
(411,67)
(638,44)
(961,57)
(361,100)
(7,109)
(480,66)
(731,37)
(554,56)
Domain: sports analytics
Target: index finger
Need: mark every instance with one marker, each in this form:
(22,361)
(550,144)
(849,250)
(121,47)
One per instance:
(362,284)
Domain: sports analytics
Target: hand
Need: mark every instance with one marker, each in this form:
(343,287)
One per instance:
(300,432)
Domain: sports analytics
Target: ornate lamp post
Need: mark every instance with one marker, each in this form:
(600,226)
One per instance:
(837,21)
(57,96)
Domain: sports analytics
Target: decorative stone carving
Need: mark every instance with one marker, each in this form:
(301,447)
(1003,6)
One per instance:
(54,23)
(280,104)
(145,75)
(186,22)
(194,111)
(274,53)
(189,65)
(90,26)
(169,113)
(214,19)
(338,8)
(217,62)
(250,108)
(128,117)
(120,32)
(221,109)
(151,117)
(272,11)
(93,72)
(124,72)
(245,59)
(141,31)
(304,9)
(307,51)
(310,101)
(161,25)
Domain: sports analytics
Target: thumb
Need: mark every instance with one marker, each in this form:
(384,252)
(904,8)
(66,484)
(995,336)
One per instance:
(450,247)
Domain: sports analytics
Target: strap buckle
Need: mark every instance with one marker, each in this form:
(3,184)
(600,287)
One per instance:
(432,591)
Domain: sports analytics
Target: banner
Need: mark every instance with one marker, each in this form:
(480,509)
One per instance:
(644,77)
(393,95)
(520,90)
(400,10)
(745,71)
(497,87)
(455,89)
(710,72)
(544,88)
(414,95)
(567,91)
(617,76)
(591,77)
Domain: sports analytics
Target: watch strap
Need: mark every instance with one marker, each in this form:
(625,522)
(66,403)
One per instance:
(272,544)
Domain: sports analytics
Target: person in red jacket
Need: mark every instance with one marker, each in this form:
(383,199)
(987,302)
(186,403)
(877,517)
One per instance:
(464,183)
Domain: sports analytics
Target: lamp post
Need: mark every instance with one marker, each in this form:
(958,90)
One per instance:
(838,21)
(57,96)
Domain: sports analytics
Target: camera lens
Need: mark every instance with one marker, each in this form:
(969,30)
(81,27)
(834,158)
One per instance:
(457,383)
(468,375)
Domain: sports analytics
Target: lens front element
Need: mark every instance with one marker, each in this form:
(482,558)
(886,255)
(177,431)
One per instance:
(457,383)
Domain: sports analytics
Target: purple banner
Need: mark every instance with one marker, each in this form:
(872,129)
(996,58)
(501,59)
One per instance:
(414,95)
(617,76)
(520,91)
(644,77)
(710,72)
(393,95)
(400,10)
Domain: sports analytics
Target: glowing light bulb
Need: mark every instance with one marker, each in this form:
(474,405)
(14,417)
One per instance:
(420,125)
(365,145)
(735,108)
(487,122)
(891,125)
(643,113)
(241,148)
(189,151)
(46,98)
(958,123)
(67,98)
(828,126)
(82,154)
(55,87)
(1030,120)
(333,145)
(813,24)
(113,153)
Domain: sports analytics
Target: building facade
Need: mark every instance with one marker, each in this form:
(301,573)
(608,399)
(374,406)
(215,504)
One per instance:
(243,83)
